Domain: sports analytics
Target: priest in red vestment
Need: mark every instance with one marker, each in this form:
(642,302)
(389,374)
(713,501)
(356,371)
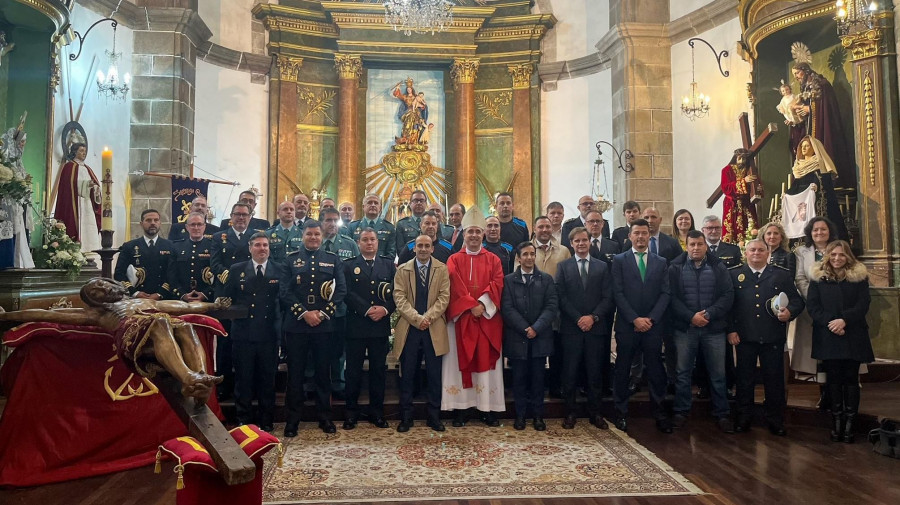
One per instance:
(473,370)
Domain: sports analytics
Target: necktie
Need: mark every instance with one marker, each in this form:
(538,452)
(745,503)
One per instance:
(713,248)
(642,265)
(370,224)
(583,271)
(756,276)
(544,247)
(455,234)
(328,244)
(527,278)
(259,272)
(152,243)
(653,247)
(370,263)
(596,244)
(240,235)
(423,274)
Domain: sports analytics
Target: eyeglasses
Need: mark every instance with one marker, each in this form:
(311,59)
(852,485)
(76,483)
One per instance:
(418,200)
(239,214)
(594,221)
(712,228)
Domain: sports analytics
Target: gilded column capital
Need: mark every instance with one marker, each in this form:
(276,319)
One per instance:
(463,70)
(521,75)
(865,44)
(288,67)
(348,66)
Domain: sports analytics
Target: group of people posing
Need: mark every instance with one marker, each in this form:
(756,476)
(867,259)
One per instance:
(477,290)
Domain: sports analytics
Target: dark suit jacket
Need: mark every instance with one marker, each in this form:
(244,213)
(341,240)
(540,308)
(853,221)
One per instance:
(152,267)
(263,321)
(749,317)
(575,300)
(365,290)
(534,304)
(729,254)
(607,250)
(635,298)
(570,225)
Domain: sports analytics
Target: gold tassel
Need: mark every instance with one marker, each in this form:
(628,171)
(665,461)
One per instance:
(280,455)
(179,469)
(157,468)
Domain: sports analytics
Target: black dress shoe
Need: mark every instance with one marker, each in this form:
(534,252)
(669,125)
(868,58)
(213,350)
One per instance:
(703,393)
(349,424)
(339,396)
(491,420)
(459,420)
(725,425)
(404,425)
(379,422)
(569,422)
(679,420)
(599,422)
(290,431)
(664,425)
(621,424)
(742,427)
(633,388)
(519,424)
(539,424)
(436,425)
(267,427)
(327,426)
(777,430)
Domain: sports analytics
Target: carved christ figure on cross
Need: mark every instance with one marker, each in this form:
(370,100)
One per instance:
(741,186)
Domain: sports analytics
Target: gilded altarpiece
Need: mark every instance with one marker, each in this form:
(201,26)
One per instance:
(481,96)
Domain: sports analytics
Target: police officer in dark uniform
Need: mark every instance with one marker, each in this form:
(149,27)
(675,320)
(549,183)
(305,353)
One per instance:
(758,333)
(387,242)
(370,302)
(285,236)
(500,248)
(191,279)
(429,226)
(512,229)
(408,227)
(150,257)
(728,254)
(313,288)
(256,284)
(178,231)
(231,245)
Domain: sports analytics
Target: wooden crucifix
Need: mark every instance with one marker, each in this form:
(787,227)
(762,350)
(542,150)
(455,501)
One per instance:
(753,149)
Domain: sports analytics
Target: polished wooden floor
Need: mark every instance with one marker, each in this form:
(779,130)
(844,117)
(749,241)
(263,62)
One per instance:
(752,468)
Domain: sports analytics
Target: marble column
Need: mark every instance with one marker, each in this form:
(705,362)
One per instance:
(348,67)
(283,122)
(463,72)
(877,146)
(523,187)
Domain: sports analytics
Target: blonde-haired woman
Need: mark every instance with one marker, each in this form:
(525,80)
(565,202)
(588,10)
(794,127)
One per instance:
(779,251)
(838,301)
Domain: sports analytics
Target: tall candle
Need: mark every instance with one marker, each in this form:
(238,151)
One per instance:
(106,223)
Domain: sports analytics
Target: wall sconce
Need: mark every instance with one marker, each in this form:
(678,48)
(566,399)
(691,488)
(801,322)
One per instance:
(109,84)
(695,104)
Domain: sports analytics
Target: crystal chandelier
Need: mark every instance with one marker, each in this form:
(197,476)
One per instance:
(419,16)
(854,14)
(110,85)
(694,105)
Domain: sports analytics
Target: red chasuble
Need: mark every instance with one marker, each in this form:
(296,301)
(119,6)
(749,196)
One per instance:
(478,340)
(67,199)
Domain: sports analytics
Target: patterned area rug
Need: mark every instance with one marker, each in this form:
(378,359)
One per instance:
(370,464)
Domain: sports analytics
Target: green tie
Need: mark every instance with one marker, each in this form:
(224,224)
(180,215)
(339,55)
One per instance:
(642,266)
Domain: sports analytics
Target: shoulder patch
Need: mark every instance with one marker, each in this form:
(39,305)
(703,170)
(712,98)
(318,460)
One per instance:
(446,244)
(411,244)
(519,222)
(506,246)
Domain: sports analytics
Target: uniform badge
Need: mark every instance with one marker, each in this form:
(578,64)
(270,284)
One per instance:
(356,270)
(299,263)
(741,278)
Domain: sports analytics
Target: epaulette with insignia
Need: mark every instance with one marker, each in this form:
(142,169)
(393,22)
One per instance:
(570,220)
(178,240)
(328,252)
(736,266)
(446,244)
(294,252)
(411,244)
(519,222)
(506,246)
(778,267)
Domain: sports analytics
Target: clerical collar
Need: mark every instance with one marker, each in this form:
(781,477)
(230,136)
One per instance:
(473,253)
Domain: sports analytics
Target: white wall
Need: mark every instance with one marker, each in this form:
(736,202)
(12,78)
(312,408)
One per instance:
(230,134)
(106,122)
(678,8)
(703,147)
(578,113)
(229,21)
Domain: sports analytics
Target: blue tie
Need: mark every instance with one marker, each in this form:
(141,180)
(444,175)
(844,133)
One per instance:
(653,248)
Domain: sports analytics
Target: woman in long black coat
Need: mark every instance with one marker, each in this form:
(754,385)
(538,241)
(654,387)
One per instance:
(838,300)
(529,306)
